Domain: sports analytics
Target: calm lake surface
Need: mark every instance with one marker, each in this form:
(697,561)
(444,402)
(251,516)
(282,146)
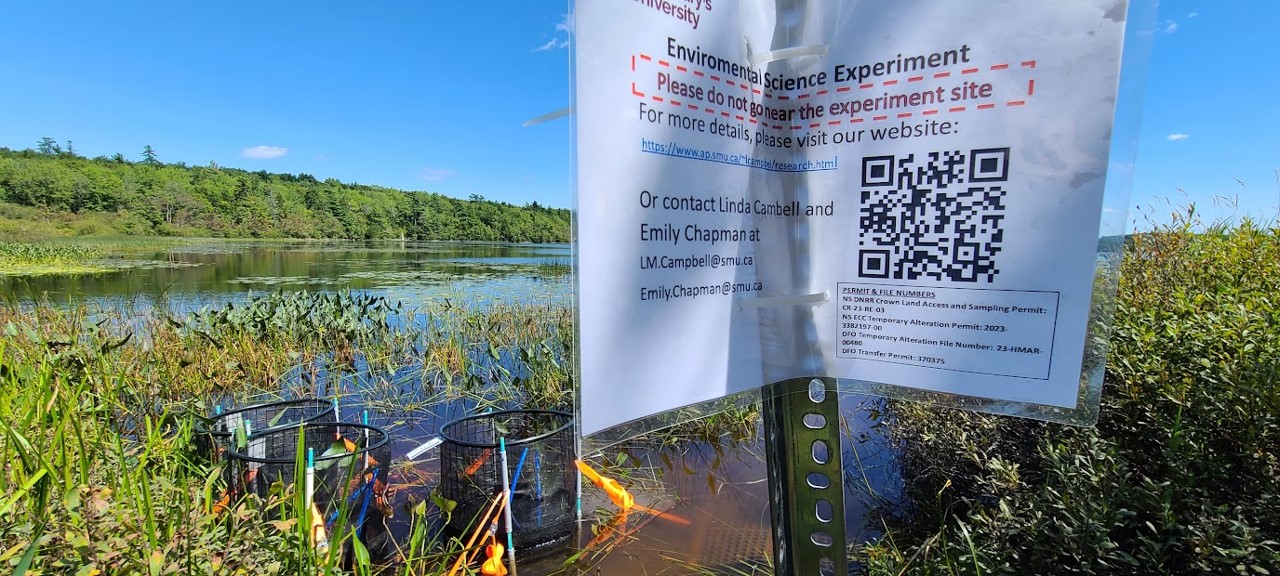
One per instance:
(717,492)
(189,277)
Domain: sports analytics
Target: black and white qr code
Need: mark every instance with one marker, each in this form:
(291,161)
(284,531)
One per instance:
(934,215)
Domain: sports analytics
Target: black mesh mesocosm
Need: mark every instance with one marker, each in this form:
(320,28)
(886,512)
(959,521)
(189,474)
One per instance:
(545,482)
(214,438)
(351,466)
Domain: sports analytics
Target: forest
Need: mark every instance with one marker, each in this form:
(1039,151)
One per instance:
(147,197)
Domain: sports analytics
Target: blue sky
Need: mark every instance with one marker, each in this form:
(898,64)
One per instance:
(419,95)
(1210,125)
(431,95)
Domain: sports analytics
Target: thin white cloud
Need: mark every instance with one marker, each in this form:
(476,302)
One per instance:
(264,152)
(1177,137)
(565,25)
(1170,27)
(1193,14)
(434,174)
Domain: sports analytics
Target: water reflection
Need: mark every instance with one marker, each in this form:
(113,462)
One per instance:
(723,490)
(214,272)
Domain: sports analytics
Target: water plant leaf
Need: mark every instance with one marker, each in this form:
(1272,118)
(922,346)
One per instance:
(276,419)
(109,346)
(242,441)
(362,556)
(329,457)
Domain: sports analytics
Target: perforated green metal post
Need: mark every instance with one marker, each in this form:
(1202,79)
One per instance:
(802,445)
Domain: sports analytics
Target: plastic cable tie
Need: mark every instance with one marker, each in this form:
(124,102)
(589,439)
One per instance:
(420,450)
(784,53)
(780,301)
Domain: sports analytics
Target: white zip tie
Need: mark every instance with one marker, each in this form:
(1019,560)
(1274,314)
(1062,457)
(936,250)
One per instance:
(780,301)
(784,53)
(420,450)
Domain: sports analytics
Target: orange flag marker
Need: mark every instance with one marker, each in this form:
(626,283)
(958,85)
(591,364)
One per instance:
(493,565)
(621,498)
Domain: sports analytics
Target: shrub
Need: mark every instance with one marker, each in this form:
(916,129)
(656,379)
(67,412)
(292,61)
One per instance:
(1181,474)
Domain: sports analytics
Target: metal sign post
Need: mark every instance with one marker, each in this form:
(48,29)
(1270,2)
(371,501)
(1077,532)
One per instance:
(806,495)
(801,415)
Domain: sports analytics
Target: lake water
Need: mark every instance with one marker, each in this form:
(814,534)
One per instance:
(719,489)
(211,273)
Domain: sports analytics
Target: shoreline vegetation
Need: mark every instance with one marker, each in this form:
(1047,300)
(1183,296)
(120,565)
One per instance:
(52,192)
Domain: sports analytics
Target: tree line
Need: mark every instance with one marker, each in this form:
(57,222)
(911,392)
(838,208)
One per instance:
(150,197)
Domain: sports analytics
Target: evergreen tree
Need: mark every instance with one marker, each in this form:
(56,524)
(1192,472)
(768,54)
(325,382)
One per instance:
(48,146)
(149,156)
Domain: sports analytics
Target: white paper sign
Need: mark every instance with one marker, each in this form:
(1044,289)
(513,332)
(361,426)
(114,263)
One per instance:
(906,193)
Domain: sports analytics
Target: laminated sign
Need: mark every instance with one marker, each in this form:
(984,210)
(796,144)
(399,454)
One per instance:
(904,193)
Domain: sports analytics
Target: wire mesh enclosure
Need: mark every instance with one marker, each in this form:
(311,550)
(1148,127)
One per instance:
(351,466)
(214,439)
(540,453)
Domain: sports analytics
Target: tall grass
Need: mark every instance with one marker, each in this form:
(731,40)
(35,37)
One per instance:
(99,479)
(1181,474)
(96,416)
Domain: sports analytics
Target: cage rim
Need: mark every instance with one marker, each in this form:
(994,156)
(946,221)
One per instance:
(201,430)
(471,444)
(384,440)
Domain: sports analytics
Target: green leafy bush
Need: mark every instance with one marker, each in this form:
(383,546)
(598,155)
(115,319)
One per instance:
(1181,474)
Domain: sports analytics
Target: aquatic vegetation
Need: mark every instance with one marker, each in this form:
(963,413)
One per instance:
(300,317)
(30,259)
(32,253)
(97,414)
(81,256)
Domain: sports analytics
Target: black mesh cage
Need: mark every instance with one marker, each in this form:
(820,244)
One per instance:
(540,453)
(214,438)
(351,466)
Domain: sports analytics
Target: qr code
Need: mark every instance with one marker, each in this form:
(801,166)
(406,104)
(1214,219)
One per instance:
(936,215)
